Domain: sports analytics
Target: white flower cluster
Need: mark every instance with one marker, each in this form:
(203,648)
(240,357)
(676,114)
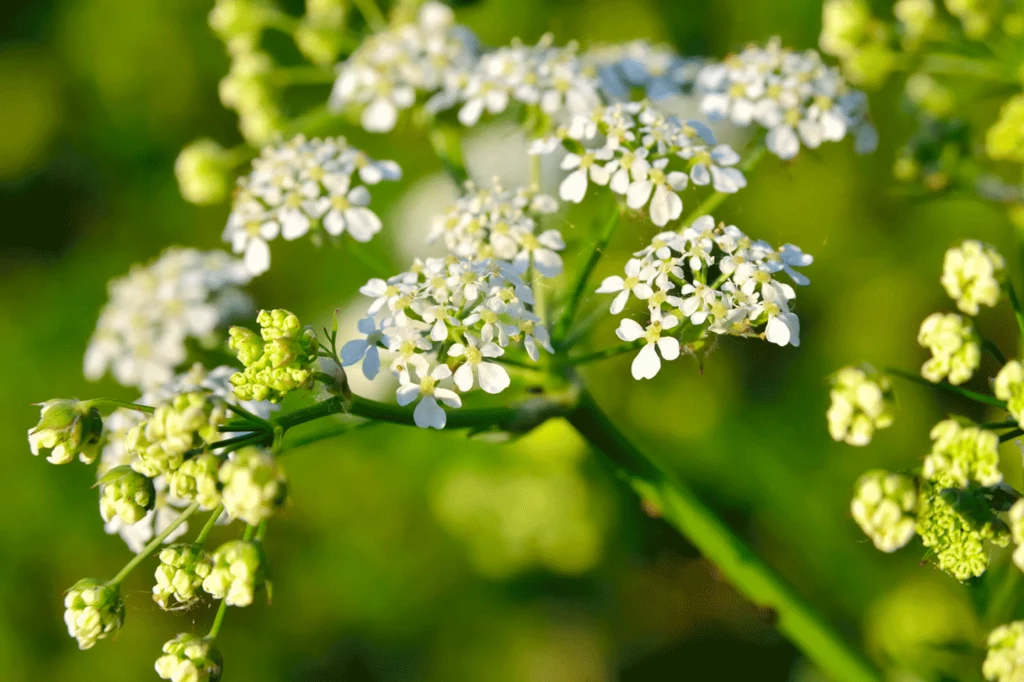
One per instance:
(641,154)
(972,274)
(955,348)
(303,186)
(387,72)
(883,506)
(1004,661)
(794,95)
(115,453)
(545,76)
(640,69)
(154,309)
(862,402)
(709,278)
(444,322)
(493,222)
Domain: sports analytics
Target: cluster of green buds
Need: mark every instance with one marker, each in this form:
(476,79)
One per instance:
(862,402)
(188,658)
(280,359)
(884,506)
(958,526)
(197,480)
(180,575)
(1009,386)
(972,275)
(253,485)
(1016,515)
(1005,659)
(962,455)
(238,570)
(203,170)
(1004,141)
(955,348)
(67,429)
(126,494)
(186,422)
(93,610)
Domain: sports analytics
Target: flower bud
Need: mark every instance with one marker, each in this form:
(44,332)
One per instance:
(238,18)
(319,40)
(253,486)
(1017,531)
(280,360)
(1005,659)
(180,575)
(188,658)
(972,274)
(67,428)
(957,526)
(187,421)
(962,455)
(93,611)
(862,401)
(237,571)
(844,26)
(196,480)
(1009,386)
(126,494)
(203,172)
(955,347)
(883,506)
(1004,141)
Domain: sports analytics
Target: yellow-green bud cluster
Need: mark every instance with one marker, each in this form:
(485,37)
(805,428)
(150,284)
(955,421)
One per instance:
(237,571)
(1017,532)
(917,18)
(1005,659)
(188,421)
(320,33)
(858,39)
(976,16)
(196,480)
(203,172)
(180,575)
(883,506)
(972,275)
(1009,386)
(281,359)
(955,348)
(862,402)
(188,658)
(93,610)
(1004,141)
(962,455)
(957,525)
(253,486)
(126,494)
(66,429)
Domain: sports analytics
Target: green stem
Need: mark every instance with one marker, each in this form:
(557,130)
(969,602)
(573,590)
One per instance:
(316,121)
(1002,602)
(210,523)
(681,508)
(375,19)
(959,65)
(1010,435)
(242,412)
(109,402)
(154,544)
(446,143)
(261,531)
(949,388)
(994,351)
(218,620)
(612,352)
(331,431)
(565,320)
(715,200)
(1016,306)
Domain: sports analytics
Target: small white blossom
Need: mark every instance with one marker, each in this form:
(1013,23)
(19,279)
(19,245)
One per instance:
(972,274)
(656,71)
(862,402)
(955,348)
(647,364)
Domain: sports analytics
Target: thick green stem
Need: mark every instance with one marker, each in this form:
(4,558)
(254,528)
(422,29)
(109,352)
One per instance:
(580,286)
(959,65)
(154,544)
(681,508)
(210,523)
(605,353)
(949,388)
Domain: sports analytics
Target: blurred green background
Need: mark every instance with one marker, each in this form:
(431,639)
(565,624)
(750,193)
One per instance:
(418,556)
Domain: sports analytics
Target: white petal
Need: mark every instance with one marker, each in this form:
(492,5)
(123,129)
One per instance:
(574,186)
(493,377)
(669,347)
(629,330)
(428,414)
(257,257)
(646,364)
(464,377)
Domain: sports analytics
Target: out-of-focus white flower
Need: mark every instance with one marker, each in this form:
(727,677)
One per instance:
(972,274)
(883,506)
(391,70)
(1009,386)
(955,348)
(304,187)
(154,309)
(862,402)
(1005,659)
(793,95)
(640,69)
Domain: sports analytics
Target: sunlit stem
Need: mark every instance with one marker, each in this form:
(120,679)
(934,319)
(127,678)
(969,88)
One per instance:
(604,354)
(218,620)
(210,523)
(99,403)
(375,19)
(1010,435)
(959,65)
(949,388)
(994,351)
(154,544)
(1015,302)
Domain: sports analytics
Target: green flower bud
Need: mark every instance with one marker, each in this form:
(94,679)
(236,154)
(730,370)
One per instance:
(883,506)
(319,40)
(1004,141)
(188,658)
(1005,659)
(957,525)
(180,575)
(917,18)
(962,455)
(955,347)
(196,480)
(1017,532)
(972,275)
(188,421)
(862,401)
(127,494)
(870,64)
(203,170)
(93,611)
(976,16)
(930,95)
(280,360)
(237,571)
(845,25)
(253,486)
(1009,386)
(239,18)
(67,428)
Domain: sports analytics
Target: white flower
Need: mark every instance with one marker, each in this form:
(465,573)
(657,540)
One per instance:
(647,364)
(637,282)
(366,350)
(492,377)
(955,348)
(972,275)
(665,202)
(574,186)
(862,402)
(428,414)
(655,69)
